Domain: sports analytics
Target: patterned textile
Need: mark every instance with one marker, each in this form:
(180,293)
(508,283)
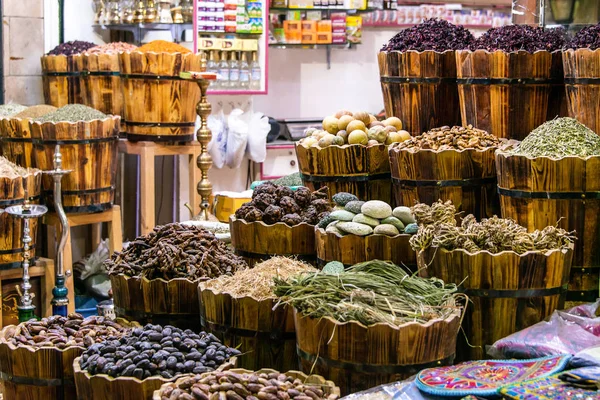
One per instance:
(585,378)
(549,388)
(485,377)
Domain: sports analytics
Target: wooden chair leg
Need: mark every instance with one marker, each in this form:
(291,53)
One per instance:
(96,235)
(115,233)
(147,180)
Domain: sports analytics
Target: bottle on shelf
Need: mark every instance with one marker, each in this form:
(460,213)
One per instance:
(212,65)
(234,71)
(255,73)
(244,72)
(223,71)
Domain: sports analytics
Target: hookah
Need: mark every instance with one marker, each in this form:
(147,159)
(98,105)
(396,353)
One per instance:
(26,212)
(60,300)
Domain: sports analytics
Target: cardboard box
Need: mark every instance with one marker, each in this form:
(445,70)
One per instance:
(338,38)
(309,26)
(225,206)
(292,26)
(324,26)
(210,44)
(324,37)
(309,37)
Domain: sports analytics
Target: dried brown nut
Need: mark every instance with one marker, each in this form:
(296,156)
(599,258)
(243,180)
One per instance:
(289,205)
(302,196)
(291,219)
(272,215)
(264,200)
(254,215)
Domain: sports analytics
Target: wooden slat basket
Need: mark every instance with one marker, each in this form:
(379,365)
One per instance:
(507,291)
(539,192)
(159,105)
(257,241)
(506,94)
(13,192)
(358,357)
(15,141)
(331,391)
(157,301)
(89,149)
(61,78)
(420,88)
(353,249)
(582,82)
(265,335)
(467,177)
(361,170)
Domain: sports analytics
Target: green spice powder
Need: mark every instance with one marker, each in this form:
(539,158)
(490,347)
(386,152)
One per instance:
(72,113)
(560,137)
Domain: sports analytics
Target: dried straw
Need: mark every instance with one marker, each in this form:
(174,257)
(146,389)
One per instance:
(11,170)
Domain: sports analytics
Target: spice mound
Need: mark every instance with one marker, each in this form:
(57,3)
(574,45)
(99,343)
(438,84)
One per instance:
(63,332)
(588,37)
(111,48)
(72,113)
(156,351)
(71,48)
(432,34)
(162,46)
(258,281)
(369,293)
(8,110)
(12,171)
(35,111)
(558,138)
(520,37)
(455,138)
(274,203)
(438,228)
(251,386)
(289,180)
(176,251)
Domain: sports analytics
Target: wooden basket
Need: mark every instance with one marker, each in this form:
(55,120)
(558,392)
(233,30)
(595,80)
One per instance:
(420,88)
(264,334)
(15,141)
(101,84)
(357,169)
(257,241)
(539,192)
(157,301)
(467,177)
(582,73)
(61,79)
(558,106)
(507,291)
(353,249)
(328,387)
(89,149)
(506,94)
(12,192)
(159,105)
(358,357)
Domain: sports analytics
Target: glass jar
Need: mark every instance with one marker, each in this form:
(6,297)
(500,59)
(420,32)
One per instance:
(187,10)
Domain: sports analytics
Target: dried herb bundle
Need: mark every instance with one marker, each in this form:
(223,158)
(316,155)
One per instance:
(176,251)
(495,235)
(13,171)
(455,138)
(560,137)
(431,34)
(369,293)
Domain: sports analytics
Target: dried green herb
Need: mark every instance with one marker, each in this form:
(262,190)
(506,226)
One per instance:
(560,137)
(289,180)
(72,113)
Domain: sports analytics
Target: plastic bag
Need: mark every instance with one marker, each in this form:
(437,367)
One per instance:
(237,138)
(217,148)
(93,274)
(258,129)
(586,358)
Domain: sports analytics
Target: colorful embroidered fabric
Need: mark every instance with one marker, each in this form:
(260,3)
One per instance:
(585,378)
(485,377)
(549,388)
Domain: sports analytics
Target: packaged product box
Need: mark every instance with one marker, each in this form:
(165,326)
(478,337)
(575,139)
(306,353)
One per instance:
(324,25)
(293,16)
(309,37)
(210,44)
(279,4)
(309,26)
(256,25)
(293,31)
(231,44)
(324,37)
(338,38)
(354,29)
(249,44)
(314,16)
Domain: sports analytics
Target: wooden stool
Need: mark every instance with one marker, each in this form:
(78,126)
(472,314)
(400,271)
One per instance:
(147,151)
(115,235)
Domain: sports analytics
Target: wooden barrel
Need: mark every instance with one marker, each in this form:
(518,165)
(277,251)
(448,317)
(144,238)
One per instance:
(15,141)
(89,149)
(507,291)
(353,249)
(159,105)
(330,391)
(61,79)
(506,94)
(558,106)
(539,192)
(264,334)
(257,241)
(101,84)
(357,169)
(358,357)
(157,301)
(12,192)
(582,83)
(420,88)
(467,177)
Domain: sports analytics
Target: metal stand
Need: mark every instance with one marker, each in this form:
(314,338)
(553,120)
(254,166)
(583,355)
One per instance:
(26,212)
(60,300)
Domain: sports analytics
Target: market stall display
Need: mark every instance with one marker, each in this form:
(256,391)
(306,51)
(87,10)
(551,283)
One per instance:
(240,310)
(389,326)
(244,384)
(349,155)
(50,345)
(417,69)
(550,179)
(278,221)
(531,270)
(359,231)
(447,163)
(155,279)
